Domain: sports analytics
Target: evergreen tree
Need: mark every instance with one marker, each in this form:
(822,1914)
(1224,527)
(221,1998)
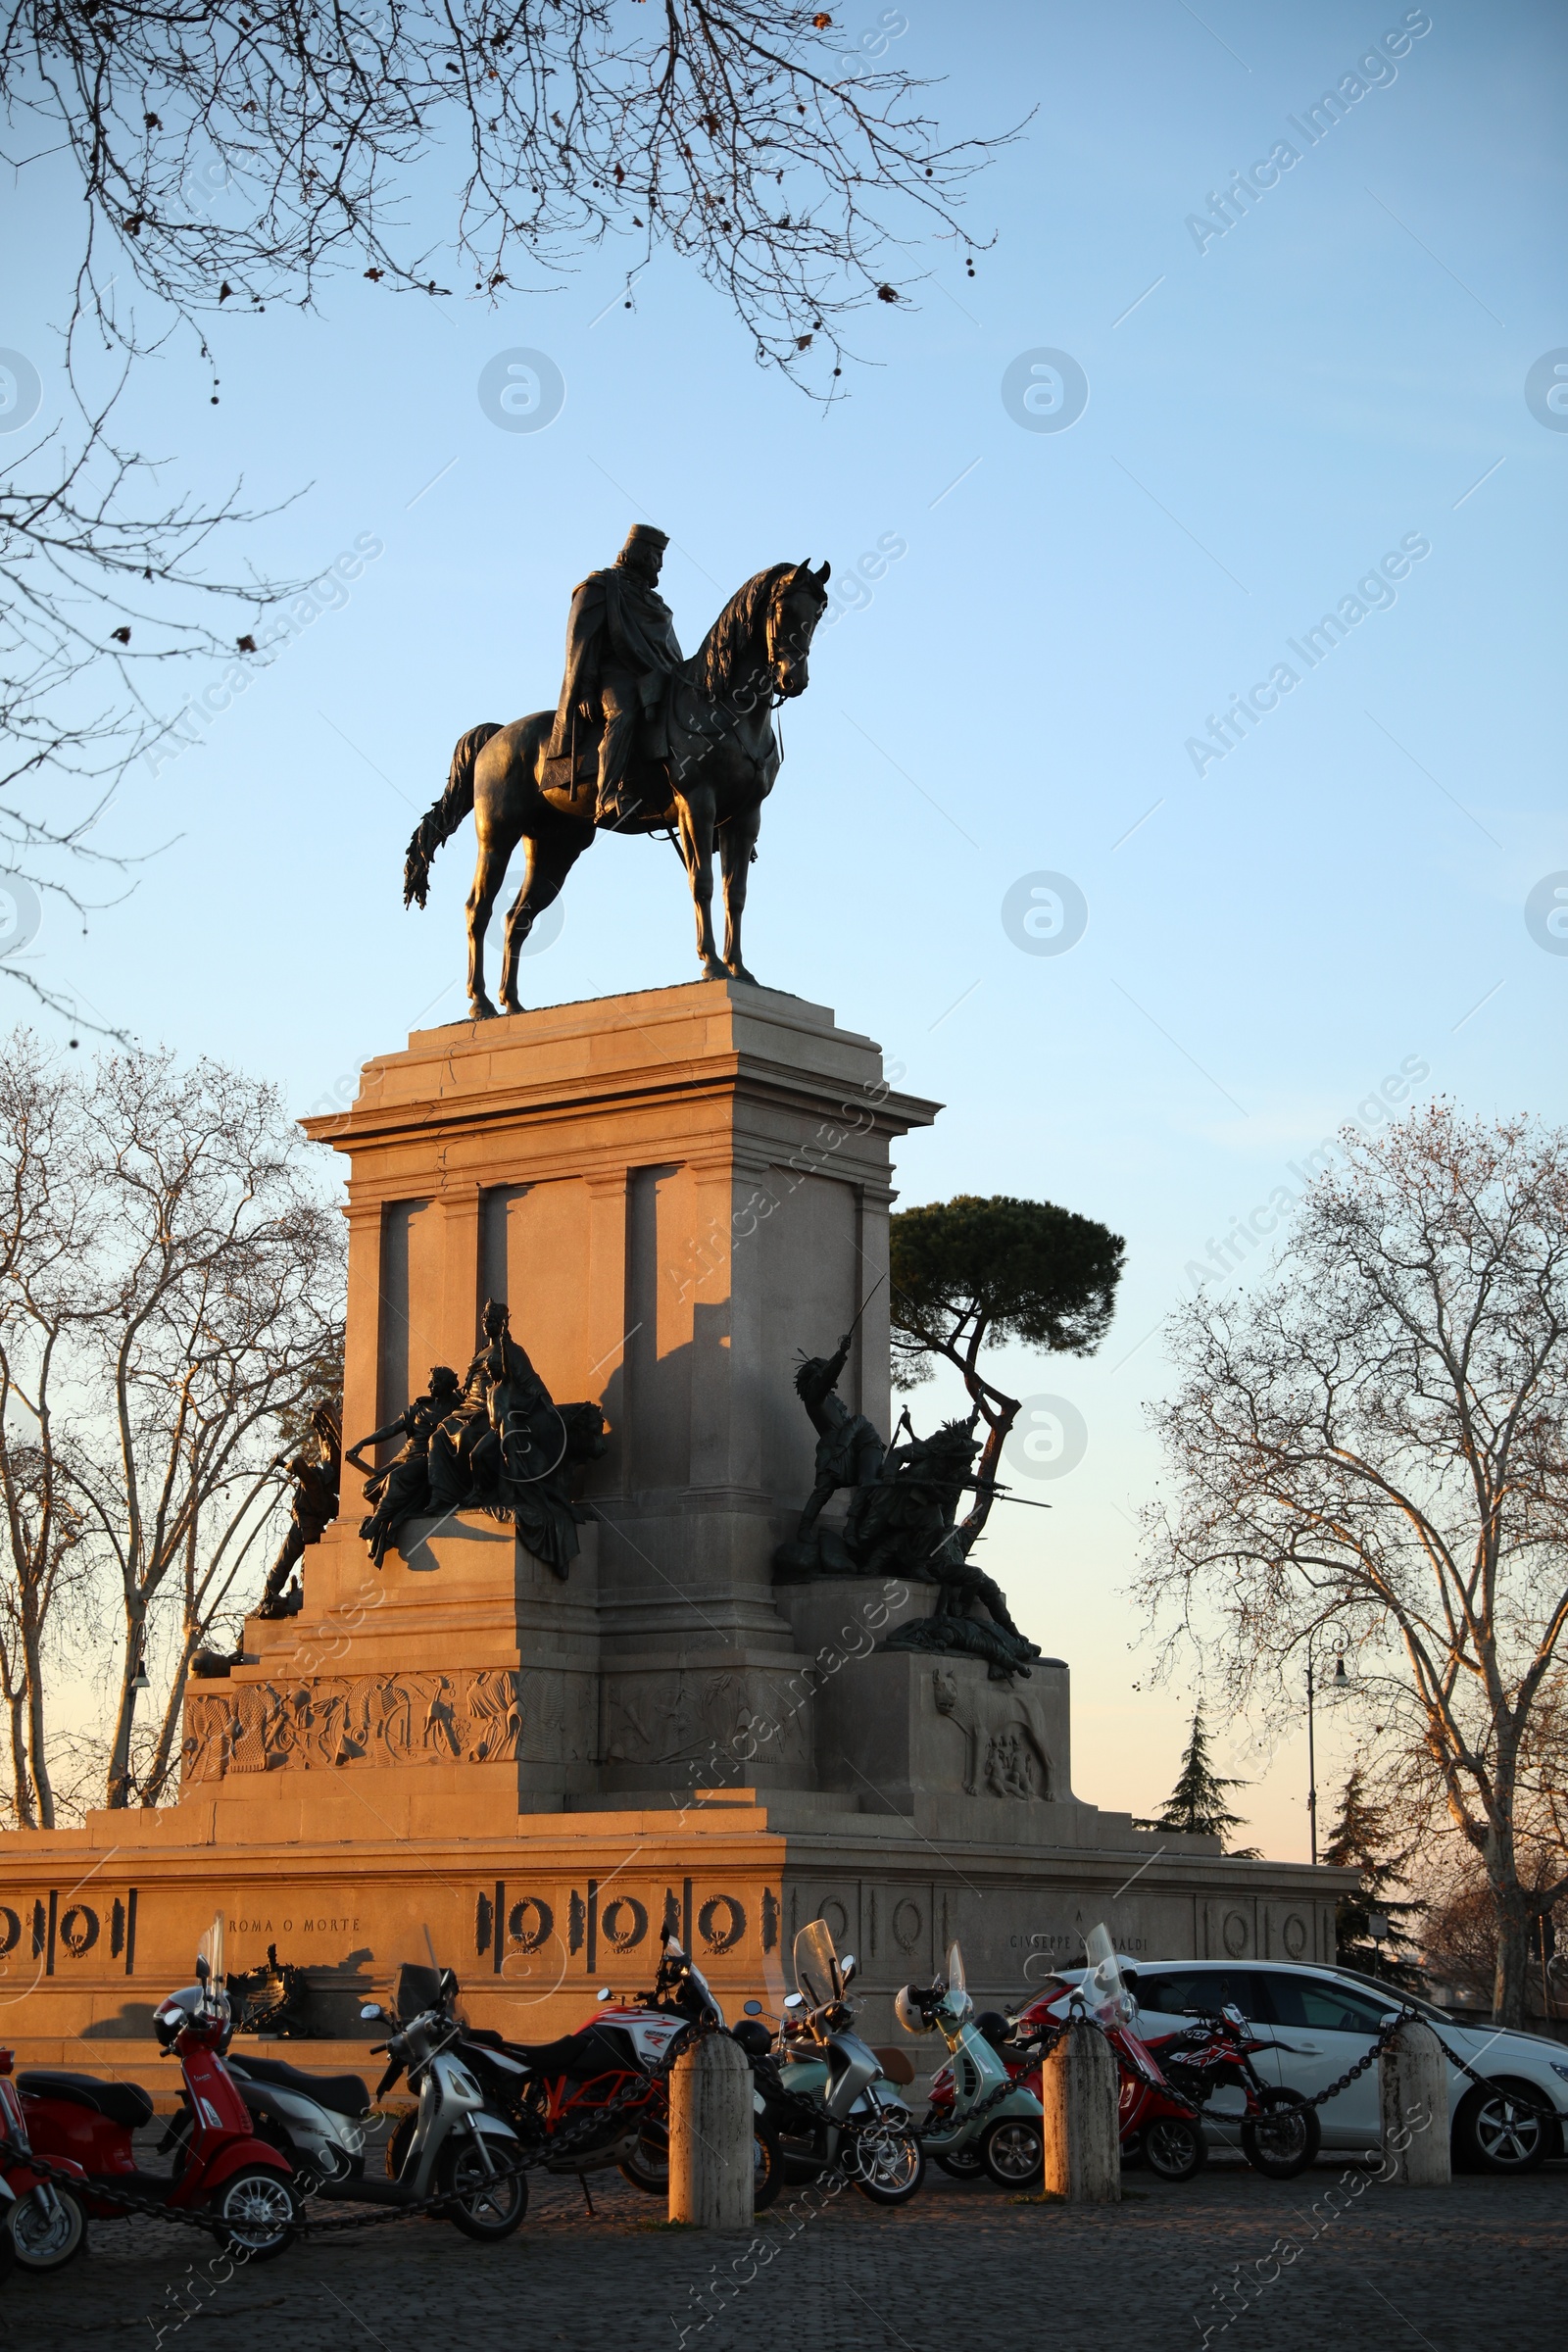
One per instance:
(1358,1841)
(1196,1805)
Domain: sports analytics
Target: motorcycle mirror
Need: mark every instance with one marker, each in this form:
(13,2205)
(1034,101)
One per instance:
(846,1967)
(371,2011)
(203,1972)
(752,2008)
(604,1993)
(795,2000)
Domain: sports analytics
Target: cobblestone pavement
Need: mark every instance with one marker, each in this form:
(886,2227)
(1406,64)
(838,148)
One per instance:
(960,2270)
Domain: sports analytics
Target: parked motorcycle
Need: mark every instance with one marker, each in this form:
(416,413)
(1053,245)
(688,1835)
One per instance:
(834,2108)
(983,2116)
(42,2224)
(458,2144)
(1162,2080)
(221,2168)
(598,2097)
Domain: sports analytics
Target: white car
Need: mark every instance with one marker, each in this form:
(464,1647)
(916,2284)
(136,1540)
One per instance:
(1328,2017)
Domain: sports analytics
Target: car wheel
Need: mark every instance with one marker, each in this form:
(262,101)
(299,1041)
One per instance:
(256,2214)
(1173,2148)
(47,2239)
(1494,2132)
(889,2166)
(962,2164)
(1013,2152)
(482,2206)
(1285,2139)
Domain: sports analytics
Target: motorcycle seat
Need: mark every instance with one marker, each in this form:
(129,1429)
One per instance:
(344,2094)
(594,2050)
(123,2103)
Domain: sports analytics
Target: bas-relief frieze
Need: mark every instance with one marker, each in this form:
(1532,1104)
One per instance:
(672,1719)
(492,1716)
(1004,1741)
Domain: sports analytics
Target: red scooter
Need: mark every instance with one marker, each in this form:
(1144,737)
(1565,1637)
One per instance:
(222,2170)
(1165,2079)
(41,2222)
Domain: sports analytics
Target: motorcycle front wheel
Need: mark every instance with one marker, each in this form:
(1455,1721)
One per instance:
(1284,2139)
(1013,2152)
(889,2166)
(47,2242)
(1174,2149)
(482,2206)
(961,2164)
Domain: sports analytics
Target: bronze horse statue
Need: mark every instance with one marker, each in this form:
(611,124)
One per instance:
(723,758)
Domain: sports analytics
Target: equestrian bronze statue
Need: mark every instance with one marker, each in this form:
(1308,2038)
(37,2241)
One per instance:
(641,741)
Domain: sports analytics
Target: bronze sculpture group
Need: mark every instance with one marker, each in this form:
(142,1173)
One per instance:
(902,1521)
(495,1441)
(640,741)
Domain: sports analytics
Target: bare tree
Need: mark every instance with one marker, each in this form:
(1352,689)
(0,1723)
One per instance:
(101,581)
(181,1301)
(243,152)
(1376,1437)
(241,155)
(42,1244)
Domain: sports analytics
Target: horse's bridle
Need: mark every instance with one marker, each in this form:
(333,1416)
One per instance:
(775,606)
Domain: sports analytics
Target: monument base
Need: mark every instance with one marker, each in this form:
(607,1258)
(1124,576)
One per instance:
(677,1193)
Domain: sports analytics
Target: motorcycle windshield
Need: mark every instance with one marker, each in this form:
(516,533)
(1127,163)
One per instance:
(1105,1987)
(958,1982)
(422,1983)
(816,1965)
(211,1949)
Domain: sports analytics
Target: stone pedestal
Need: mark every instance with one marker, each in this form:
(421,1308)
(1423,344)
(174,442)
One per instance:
(1413,2100)
(677,1193)
(1079,2085)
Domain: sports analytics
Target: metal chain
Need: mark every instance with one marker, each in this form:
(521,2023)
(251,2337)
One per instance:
(1353,2074)
(547,2150)
(1517,2098)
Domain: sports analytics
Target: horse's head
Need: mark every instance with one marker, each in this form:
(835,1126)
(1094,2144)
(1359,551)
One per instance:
(797,603)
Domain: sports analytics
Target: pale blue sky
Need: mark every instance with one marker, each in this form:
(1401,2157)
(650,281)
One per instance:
(1341,894)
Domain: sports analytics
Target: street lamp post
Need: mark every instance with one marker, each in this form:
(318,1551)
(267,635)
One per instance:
(1337,1683)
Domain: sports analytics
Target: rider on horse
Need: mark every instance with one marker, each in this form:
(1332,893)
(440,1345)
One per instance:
(620,652)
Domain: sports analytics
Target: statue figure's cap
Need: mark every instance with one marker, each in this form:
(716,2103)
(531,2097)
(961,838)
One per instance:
(643,534)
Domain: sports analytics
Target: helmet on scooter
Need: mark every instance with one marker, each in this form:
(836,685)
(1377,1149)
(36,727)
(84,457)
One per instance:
(753,2037)
(915,2007)
(993,2027)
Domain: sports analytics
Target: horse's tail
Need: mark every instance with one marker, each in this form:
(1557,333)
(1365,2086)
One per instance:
(440,822)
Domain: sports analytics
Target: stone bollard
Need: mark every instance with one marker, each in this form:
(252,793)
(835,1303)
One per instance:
(1413,2082)
(1079,2089)
(711,2159)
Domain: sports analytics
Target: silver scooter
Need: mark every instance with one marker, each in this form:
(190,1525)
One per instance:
(455,2146)
(854,2121)
(319,2121)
